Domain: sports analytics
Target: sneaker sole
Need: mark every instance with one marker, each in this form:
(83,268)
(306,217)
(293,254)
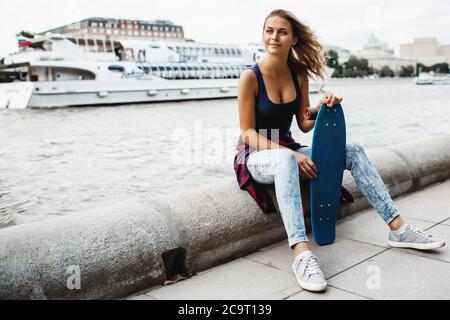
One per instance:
(312,287)
(418,246)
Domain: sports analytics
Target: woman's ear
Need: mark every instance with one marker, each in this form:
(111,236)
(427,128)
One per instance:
(295,41)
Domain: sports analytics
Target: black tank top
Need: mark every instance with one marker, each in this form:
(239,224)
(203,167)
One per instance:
(271,115)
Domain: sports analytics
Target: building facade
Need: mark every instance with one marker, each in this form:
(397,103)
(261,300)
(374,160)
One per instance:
(159,30)
(426,50)
(379,55)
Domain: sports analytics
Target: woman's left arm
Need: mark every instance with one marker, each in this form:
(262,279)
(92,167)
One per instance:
(329,99)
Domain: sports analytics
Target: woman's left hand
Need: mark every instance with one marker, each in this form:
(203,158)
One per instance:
(330,99)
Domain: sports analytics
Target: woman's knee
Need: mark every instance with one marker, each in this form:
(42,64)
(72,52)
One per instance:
(286,159)
(286,156)
(353,150)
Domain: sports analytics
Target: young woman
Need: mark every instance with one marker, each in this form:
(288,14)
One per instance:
(270,93)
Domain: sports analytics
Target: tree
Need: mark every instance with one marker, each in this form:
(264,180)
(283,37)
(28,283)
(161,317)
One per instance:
(407,71)
(332,59)
(386,72)
(440,68)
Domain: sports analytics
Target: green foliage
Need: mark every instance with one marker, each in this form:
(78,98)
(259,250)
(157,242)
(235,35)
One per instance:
(407,71)
(386,72)
(437,68)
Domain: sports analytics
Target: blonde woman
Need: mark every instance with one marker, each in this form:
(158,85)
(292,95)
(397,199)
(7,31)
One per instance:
(270,93)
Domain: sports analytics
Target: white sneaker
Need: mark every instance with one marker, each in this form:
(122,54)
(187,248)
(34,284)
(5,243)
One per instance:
(410,236)
(307,272)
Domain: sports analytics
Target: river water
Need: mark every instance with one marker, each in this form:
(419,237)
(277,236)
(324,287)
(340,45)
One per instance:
(57,161)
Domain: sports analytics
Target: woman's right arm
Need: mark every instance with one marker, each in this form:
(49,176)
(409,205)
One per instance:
(248,86)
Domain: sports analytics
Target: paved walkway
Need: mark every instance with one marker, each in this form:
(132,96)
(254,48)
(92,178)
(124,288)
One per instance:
(359,265)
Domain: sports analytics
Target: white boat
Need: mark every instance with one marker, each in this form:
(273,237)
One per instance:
(432,78)
(55,70)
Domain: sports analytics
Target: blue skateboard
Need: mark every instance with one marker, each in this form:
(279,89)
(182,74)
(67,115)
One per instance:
(328,153)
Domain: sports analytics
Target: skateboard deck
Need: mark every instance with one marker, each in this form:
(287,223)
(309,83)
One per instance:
(328,152)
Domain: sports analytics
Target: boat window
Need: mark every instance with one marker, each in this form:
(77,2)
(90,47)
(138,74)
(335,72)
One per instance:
(109,46)
(145,69)
(227,51)
(239,52)
(183,68)
(161,68)
(190,68)
(222,51)
(154,68)
(100,46)
(116,68)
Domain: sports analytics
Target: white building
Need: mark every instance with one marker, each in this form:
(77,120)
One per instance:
(379,55)
(426,50)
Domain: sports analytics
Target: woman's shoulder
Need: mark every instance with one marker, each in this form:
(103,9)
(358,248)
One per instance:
(248,75)
(302,79)
(248,79)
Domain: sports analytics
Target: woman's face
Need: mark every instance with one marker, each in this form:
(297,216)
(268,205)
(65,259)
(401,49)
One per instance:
(277,36)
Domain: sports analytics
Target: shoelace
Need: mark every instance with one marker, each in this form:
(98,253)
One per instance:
(419,232)
(312,267)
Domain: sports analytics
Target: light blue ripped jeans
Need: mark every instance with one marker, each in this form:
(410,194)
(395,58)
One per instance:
(280,166)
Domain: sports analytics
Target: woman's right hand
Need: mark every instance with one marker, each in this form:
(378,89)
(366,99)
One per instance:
(307,168)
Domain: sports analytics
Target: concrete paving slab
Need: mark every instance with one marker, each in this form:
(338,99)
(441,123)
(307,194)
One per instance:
(421,208)
(439,191)
(397,275)
(241,279)
(367,226)
(330,294)
(439,231)
(334,258)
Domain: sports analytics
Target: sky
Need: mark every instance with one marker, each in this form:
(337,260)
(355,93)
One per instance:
(346,23)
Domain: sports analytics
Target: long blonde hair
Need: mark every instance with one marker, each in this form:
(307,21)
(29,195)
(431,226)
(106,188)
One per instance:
(306,55)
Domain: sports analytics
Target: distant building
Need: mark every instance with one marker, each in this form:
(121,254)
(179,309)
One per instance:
(426,50)
(379,55)
(159,30)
